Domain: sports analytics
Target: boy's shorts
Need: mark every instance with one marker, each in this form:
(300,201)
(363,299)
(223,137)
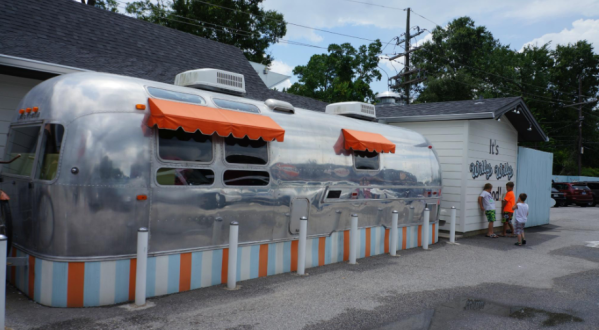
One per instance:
(519,228)
(507,217)
(490,215)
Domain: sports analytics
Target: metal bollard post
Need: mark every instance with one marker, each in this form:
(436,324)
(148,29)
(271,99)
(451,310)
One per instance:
(353,239)
(393,243)
(232,268)
(301,257)
(3,247)
(142,266)
(452,226)
(425,224)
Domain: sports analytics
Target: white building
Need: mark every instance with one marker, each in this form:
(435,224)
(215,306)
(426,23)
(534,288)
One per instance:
(477,142)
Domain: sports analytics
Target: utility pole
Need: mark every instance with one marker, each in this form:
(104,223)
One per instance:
(403,78)
(580,126)
(407,57)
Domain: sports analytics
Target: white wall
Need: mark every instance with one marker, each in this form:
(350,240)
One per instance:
(458,144)
(481,132)
(12,90)
(449,140)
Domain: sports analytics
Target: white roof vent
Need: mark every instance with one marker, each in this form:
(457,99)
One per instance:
(352,109)
(212,79)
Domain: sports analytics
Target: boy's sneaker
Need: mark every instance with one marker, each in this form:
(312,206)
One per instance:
(523,242)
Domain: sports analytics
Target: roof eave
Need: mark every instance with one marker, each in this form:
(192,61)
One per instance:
(25,63)
(526,112)
(444,117)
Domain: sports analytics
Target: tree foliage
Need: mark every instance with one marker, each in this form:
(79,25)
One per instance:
(464,61)
(241,23)
(344,74)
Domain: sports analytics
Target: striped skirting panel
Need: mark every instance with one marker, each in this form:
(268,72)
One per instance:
(100,283)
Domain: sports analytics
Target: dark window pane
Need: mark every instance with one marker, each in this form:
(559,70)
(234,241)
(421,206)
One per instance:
(366,160)
(50,151)
(23,141)
(184,177)
(175,96)
(236,105)
(246,178)
(334,194)
(246,151)
(182,146)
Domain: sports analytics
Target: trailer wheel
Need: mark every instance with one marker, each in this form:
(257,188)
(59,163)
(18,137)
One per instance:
(6,224)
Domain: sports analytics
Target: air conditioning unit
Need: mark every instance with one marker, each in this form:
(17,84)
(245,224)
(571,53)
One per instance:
(212,79)
(359,110)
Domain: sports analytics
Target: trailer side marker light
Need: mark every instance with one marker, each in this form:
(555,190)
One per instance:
(28,110)
(22,111)
(430,147)
(35,109)
(142,197)
(140,106)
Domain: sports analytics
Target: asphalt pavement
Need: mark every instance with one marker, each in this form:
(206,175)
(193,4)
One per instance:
(483,283)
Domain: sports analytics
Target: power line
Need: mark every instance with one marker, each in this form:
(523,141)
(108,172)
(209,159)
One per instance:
(428,20)
(283,21)
(240,32)
(373,4)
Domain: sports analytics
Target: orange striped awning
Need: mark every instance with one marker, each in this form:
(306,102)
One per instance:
(191,117)
(366,141)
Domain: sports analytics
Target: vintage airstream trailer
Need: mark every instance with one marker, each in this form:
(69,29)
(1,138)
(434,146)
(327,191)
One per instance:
(103,155)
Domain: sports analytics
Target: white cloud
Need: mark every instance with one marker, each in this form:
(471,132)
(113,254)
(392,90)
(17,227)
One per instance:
(535,10)
(281,67)
(284,84)
(582,29)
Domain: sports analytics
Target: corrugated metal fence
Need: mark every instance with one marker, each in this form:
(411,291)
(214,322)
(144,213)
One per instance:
(535,170)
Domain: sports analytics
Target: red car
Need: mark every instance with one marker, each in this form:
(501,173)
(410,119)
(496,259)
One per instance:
(575,193)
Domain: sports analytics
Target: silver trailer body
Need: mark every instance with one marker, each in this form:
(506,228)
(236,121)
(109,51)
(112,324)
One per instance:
(85,200)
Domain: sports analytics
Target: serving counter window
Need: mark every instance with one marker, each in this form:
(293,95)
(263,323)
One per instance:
(182,146)
(50,151)
(365,160)
(246,151)
(184,177)
(23,141)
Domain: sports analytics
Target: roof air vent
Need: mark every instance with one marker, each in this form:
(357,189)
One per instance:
(359,110)
(212,79)
(278,105)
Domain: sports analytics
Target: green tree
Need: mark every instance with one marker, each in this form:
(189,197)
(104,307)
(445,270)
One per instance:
(241,23)
(110,5)
(344,74)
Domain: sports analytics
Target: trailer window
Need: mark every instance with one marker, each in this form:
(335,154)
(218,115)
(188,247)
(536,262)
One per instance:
(21,141)
(50,151)
(175,96)
(184,177)
(365,160)
(227,104)
(182,146)
(246,178)
(246,151)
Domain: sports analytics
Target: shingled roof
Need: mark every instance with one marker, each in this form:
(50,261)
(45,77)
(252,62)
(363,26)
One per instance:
(69,33)
(512,108)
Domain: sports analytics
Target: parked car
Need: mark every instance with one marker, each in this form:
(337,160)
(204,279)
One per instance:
(594,186)
(559,197)
(576,193)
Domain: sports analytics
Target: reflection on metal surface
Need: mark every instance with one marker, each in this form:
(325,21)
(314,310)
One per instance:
(115,156)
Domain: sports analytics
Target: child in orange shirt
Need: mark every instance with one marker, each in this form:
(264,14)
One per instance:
(507,211)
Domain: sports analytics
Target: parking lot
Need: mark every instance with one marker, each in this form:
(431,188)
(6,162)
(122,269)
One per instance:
(482,283)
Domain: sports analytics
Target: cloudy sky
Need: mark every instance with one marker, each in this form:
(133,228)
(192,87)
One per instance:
(513,22)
